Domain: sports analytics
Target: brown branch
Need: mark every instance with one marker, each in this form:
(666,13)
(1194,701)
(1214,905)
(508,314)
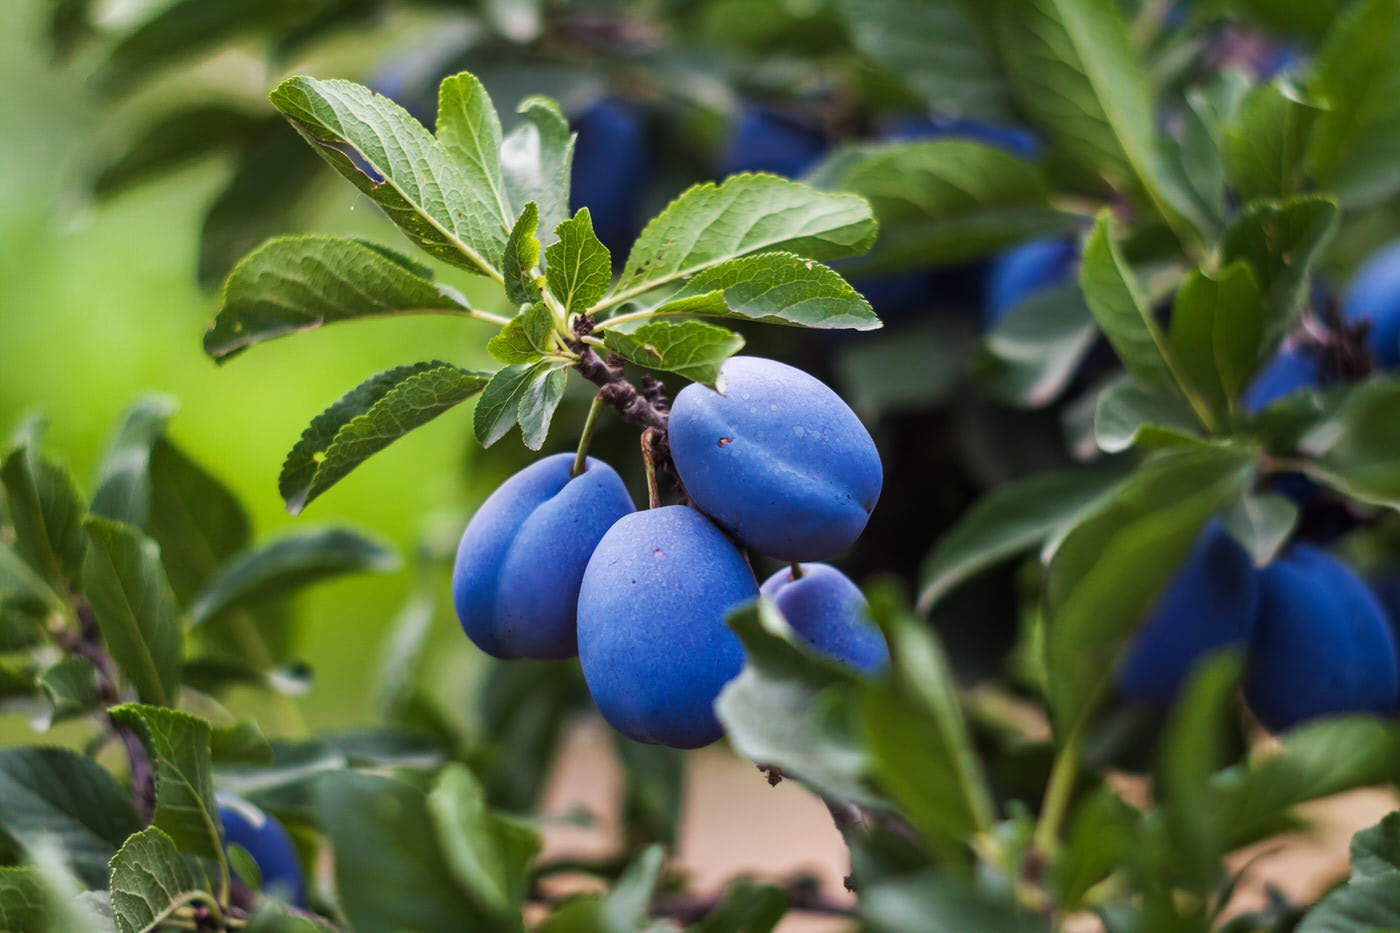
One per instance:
(803,896)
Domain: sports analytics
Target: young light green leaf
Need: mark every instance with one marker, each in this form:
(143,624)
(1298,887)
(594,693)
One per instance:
(367,419)
(135,608)
(1108,570)
(1127,414)
(1217,331)
(150,881)
(1281,240)
(470,131)
(1034,349)
(743,215)
(522,255)
(178,745)
(1266,143)
(72,799)
(1012,518)
(292,284)
(933,48)
(1262,523)
(692,349)
(945,201)
(46,511)
(291,563)
(536,158)
(526,339)
(526,394)
(388,155)
(1357,450)
(70,688)
(579,266)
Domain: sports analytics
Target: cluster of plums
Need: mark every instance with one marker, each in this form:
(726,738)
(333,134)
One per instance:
(554,565)
(1316,639)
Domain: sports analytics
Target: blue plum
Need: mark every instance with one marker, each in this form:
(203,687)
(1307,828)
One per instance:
(1291,370)
(1021,271)
(651,634)
(1374,296)
(269,845)
(766,139)
(521,559)
(826,608)
(1013,139)
(1322,643)
(778,460)
(1209,606)
(610,170)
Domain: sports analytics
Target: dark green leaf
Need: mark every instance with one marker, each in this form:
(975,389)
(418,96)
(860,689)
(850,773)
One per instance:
(124,485)
(179,748)
(522,257)
(470,131)
(692,349)
(653,790)
(46,510)
(176,138)
(239,744)
(1376,850)
(579,266)
(910,369)
(1217,332)
(1357,450)
(523,706)
(1129,415)
(1262,523)
(930,903)
(535,160)
(1280,240)
(749,907)
(526,339)
(1034,349)
(527,395)
(1266,144)
(62,794)
(22,901)
(150,881)
(1103,831)
(70,688)
(131,598)
(22,590)
(289,564)
(197,520)
(368,418)
(297,283)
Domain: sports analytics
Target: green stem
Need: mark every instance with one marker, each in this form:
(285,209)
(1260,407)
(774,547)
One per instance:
(628,317)
(1063,773)
(586,437)
(796,570)
(488,317)
(649,462)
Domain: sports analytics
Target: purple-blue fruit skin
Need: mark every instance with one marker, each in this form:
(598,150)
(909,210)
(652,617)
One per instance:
(521,560)
(765,139)
(779,460)
(1023,270)
(1209,605)
(1013,139)
(271,848)
(1322,643)
(829,611)
(610,170)
(1289,371)
(1374,296)
(652,638)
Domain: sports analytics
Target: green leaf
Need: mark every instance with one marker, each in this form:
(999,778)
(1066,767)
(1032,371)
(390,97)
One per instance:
(1108,571)
(70,688)
(179,748)
(1376,850)
(913,368)
(773,288)
(1268,140)
(470,131)
(945,201)
(174,138)
(150,881)
(368,418)
(693,349)
(1357,74)
(526,339)
(390,871)
(743,215)
(1357,450)
(1034,349)
(653,790)
(1129,415)
(1280,240)
(526,394)
(1217,331)
(135,608)
(1193,160)
(749,907)
(124,485)
(579,266)
(1103,831)
(22,901)
(46,510)
(920,747)
(933,48)
(241,744)
(927,902)
(522,256)
(296,561)
(22,590)
(625,908)
(535,160)
(522,709)
(1010,519)
(489,854)
(292,284)
(1262,523)
(55,792)
(404,650)
(244,866)
(787,707)
(420,187)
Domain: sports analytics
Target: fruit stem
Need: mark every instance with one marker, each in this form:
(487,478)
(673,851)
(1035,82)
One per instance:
(586,437)
(1064,772)
(649,461)
(796,570)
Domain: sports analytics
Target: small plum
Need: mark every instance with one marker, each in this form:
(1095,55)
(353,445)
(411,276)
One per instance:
(826,609)
(1291,370)
(1209,606)
(1322,643)
(767,139)
(268,843)
(779,460)
(1374,296)
(610,170)
(522,557)
(652,638)
(1021,271)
